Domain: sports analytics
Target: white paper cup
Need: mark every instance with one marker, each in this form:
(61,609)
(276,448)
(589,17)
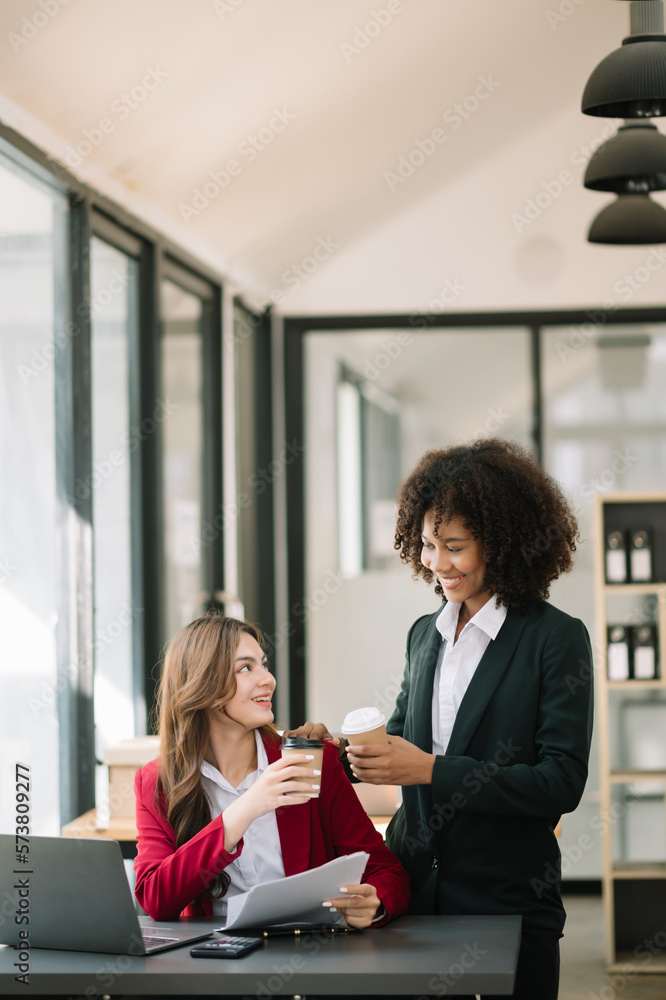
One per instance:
(364,726)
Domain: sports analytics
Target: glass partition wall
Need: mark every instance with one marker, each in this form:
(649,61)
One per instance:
(375,401)
(31,242)
(585,396)
(190,416)
(111,452)
(182,375)
(118,612)
(605,432)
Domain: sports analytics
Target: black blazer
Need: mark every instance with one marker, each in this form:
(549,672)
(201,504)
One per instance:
(480,839)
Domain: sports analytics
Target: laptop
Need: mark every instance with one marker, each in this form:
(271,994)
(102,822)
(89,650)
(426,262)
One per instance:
(76,896)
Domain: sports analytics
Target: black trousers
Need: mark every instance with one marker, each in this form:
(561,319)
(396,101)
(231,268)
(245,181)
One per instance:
(538,972)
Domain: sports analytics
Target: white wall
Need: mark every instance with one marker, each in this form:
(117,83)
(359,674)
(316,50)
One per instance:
(474,232)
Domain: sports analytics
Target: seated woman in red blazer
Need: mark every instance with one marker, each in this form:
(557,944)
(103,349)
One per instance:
(219,811)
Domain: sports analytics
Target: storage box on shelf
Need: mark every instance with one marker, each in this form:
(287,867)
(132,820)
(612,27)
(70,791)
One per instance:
(123,760)
(117,821)
(630,537)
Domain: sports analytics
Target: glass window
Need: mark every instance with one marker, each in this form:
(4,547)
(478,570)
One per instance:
(375,401)
(30,242)
(183,442)
(115,440)
(604,422)
(256,468)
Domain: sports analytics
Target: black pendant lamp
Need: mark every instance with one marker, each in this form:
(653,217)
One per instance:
(631,81)
(632,219)
(632,162)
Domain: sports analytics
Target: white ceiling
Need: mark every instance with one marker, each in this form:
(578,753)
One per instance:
(226,66)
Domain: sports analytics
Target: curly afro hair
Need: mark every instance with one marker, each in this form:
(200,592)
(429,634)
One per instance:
(525,524)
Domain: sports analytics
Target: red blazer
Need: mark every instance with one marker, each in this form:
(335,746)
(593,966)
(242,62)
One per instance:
(172,881)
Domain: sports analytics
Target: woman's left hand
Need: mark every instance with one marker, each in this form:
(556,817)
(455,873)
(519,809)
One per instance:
(397,762)
(359,909)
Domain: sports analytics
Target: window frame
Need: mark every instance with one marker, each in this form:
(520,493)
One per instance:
(210,294)
(294,331)
(92,213)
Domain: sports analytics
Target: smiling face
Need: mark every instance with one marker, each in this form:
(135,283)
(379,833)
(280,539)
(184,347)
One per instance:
(251,705)
(456,559)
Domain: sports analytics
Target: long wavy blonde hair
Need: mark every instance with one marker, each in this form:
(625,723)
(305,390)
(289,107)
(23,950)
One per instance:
(198,675)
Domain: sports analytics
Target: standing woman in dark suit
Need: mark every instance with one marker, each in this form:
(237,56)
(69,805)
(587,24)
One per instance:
(491,732)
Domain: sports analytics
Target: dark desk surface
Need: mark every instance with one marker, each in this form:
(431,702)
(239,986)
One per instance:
(417,956)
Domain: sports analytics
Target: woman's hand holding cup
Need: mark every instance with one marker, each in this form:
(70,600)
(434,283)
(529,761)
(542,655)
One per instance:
(291,781)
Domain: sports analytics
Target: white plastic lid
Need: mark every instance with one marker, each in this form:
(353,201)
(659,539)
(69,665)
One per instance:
(362,720)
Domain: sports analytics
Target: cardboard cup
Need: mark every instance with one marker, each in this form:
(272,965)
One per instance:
(377,735)
(364,726)
(318,763)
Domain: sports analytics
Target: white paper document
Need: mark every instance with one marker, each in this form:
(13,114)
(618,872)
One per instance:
(298,898)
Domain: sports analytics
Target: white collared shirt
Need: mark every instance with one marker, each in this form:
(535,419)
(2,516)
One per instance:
(456,664)
(261,857)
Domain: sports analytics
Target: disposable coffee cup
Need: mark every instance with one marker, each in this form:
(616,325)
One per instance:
(364,726)
(299,745)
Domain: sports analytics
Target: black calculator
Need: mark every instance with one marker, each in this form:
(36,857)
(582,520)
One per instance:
(226,947)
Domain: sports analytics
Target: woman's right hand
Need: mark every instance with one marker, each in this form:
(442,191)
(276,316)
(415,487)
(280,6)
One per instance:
(273,788)
(277,785)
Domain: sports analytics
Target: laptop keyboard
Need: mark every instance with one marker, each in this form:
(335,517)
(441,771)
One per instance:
(155,940)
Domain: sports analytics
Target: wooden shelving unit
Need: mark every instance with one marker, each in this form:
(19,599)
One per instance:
(634,891)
